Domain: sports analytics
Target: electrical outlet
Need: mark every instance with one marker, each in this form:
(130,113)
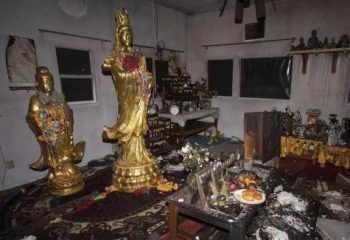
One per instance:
(10,164)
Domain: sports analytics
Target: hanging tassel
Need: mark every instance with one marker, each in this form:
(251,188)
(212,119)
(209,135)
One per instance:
(260,10)
(246,3)
(239,11)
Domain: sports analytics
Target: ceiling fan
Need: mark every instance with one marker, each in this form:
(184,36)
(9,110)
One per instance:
(241,4)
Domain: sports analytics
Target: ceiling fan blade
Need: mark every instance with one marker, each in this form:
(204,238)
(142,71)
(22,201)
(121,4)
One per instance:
(223,8)
(274,5)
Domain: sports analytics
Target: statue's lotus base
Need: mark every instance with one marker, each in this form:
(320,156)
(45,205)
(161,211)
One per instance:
(131,178)
(64,180)
(66,191)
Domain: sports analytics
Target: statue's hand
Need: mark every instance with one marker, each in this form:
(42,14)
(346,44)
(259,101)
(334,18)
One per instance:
(104,136)
(107,64)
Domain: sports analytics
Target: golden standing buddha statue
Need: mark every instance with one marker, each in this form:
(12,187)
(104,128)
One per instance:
(136,167)
(51,120)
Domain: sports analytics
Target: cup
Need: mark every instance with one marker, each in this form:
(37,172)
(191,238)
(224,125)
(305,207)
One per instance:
(221,200)
(247,164)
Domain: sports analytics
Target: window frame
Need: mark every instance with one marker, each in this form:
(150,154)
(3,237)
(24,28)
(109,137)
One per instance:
(263,98)
(232,76)
(79,76)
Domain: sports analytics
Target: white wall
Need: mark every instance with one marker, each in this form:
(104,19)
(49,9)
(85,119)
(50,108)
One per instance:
(294,18)
(318,88)
(23,18)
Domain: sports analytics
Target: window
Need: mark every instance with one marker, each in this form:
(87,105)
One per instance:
(149,65)
(220,76)
(74,67)
(161,71)
(266,77)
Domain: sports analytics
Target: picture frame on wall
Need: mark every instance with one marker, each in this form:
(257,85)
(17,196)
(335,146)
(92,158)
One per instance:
(254,31)
(21,63)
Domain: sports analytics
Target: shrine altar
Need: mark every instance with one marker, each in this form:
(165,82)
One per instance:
(315,150)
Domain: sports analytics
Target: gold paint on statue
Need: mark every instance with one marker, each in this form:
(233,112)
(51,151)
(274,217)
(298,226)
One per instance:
(136,167)
(51,120)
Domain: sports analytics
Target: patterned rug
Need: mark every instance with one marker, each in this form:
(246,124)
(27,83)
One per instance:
(150,223)
(30,210)
(26,206)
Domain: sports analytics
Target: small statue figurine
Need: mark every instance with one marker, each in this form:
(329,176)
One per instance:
(325,43)
(343,41)
(313,41)
(136,167)
(333,132)
(333,44)
(172,65)
(184,70)
(300,46)
(344,138)
(51,120)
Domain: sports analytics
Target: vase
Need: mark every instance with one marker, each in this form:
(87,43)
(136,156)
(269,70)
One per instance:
(194,196)
(345,133)
(333,133)
(225,188)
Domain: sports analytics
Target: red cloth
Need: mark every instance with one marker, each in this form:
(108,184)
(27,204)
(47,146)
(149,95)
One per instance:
(189,226)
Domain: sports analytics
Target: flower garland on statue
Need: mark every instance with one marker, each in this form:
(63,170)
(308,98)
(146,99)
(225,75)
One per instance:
(50,122)
(131,62)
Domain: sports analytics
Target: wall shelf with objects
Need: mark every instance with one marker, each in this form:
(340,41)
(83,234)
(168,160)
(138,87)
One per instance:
(179,89)
(186,123)
(305,54)
(158,138)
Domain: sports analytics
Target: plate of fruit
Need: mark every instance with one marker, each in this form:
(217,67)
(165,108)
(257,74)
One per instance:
(249,196)
(244,179)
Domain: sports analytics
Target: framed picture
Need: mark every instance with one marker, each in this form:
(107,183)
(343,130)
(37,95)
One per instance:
(21,63)
(254,31)
(204,180)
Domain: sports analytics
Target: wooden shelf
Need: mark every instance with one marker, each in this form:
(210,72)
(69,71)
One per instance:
(164,149)
(305,54)
(183,98)
(316,51)
(155,139)
(191,128)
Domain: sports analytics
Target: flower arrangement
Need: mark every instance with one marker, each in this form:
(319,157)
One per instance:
(203,89)
(214,135)
(194,160)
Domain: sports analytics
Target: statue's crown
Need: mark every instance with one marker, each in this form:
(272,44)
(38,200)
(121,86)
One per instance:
(42,72)
(122,17)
